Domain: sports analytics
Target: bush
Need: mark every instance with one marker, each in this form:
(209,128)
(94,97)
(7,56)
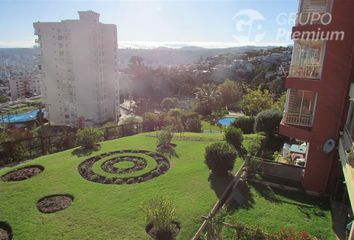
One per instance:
(220,158)
(234,137)
(151,121)
(169,103)
(193,125)
(164,137)
(88,137)
(268,122)
(160,212)
(255,146)
(246,124)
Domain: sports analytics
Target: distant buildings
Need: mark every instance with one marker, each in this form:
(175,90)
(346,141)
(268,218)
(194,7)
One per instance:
(24,87)
(78,63)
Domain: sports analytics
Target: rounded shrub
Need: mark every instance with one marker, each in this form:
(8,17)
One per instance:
(88,137)
(234,137)
(193,125)
(245,123)
(268,121)
(220,157)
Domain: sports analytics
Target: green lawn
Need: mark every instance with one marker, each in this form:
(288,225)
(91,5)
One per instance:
(102,211)
(208,126)
(271,209)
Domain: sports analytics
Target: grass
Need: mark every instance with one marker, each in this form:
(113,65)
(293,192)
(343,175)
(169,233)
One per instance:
(271,209)
(22,109)
(102,211)
(208,126)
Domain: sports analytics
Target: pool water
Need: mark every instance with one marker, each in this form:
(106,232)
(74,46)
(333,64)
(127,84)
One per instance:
(226,121)
(20,118)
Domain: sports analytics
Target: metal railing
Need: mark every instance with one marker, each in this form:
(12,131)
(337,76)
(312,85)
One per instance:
(311,71)
(298,119)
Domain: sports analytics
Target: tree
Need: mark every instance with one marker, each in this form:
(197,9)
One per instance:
(268,122)
(151,121)
(207,99)
(169,103)
(230,93)
(193,125)
(280,103)
(88,137)
(245,123)
(3,99)
(234,137)
(220,158)
(175,119)
(256,101)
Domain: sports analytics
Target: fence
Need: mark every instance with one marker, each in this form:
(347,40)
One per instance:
(281,172)
(32,147)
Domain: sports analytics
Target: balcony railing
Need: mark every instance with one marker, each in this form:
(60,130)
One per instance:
(298,119)
(313,12)
(311,71)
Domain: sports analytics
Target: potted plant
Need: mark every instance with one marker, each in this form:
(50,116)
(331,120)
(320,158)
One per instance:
(160,217)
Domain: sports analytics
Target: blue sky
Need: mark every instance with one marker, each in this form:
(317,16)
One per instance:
(199,22)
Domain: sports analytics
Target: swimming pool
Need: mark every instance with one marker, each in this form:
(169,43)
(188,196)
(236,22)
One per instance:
(19,118)
(226,121)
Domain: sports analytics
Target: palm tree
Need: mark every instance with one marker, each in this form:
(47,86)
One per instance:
(207,99)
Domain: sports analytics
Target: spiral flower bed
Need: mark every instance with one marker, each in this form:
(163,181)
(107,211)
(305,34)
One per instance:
(54,203)
(5,231)
(139,169)
(23,173)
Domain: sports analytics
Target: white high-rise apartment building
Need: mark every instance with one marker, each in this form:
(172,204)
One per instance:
(78,63)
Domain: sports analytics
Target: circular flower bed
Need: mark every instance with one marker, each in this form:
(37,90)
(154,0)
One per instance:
(54,203)
(5,231)
(136,164)
(23,173)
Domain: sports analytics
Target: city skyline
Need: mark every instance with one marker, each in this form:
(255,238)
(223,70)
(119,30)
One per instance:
(148,24)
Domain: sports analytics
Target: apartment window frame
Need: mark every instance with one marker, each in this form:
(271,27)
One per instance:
(300,113)
(297,47)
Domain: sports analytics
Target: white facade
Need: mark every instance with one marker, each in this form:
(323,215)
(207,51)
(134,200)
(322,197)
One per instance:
(78,62)
(24,86)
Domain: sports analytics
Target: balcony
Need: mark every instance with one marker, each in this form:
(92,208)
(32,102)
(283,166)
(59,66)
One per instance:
(300,106)
(298,119)
(314,12)
(307,58)
(311,71)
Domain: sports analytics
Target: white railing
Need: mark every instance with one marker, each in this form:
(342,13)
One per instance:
(312,71)
(313,12)
(298,119)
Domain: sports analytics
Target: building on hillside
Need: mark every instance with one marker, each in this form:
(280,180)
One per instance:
(24,87)
(320,83)
(78,64)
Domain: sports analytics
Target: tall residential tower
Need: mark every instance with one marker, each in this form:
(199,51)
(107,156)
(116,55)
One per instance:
(78,64)
(320,84)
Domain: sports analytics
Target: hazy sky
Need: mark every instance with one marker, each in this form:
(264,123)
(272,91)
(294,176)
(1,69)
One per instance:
(209,23)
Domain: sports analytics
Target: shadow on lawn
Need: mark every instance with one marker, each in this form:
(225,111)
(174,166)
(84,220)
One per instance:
(81,152)
(245,201)
(219,183)
(308,205)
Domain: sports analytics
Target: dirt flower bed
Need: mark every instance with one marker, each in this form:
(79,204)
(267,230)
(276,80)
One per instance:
(23,173)
(5,231)
(163,235)
(54,203)
(139,163)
